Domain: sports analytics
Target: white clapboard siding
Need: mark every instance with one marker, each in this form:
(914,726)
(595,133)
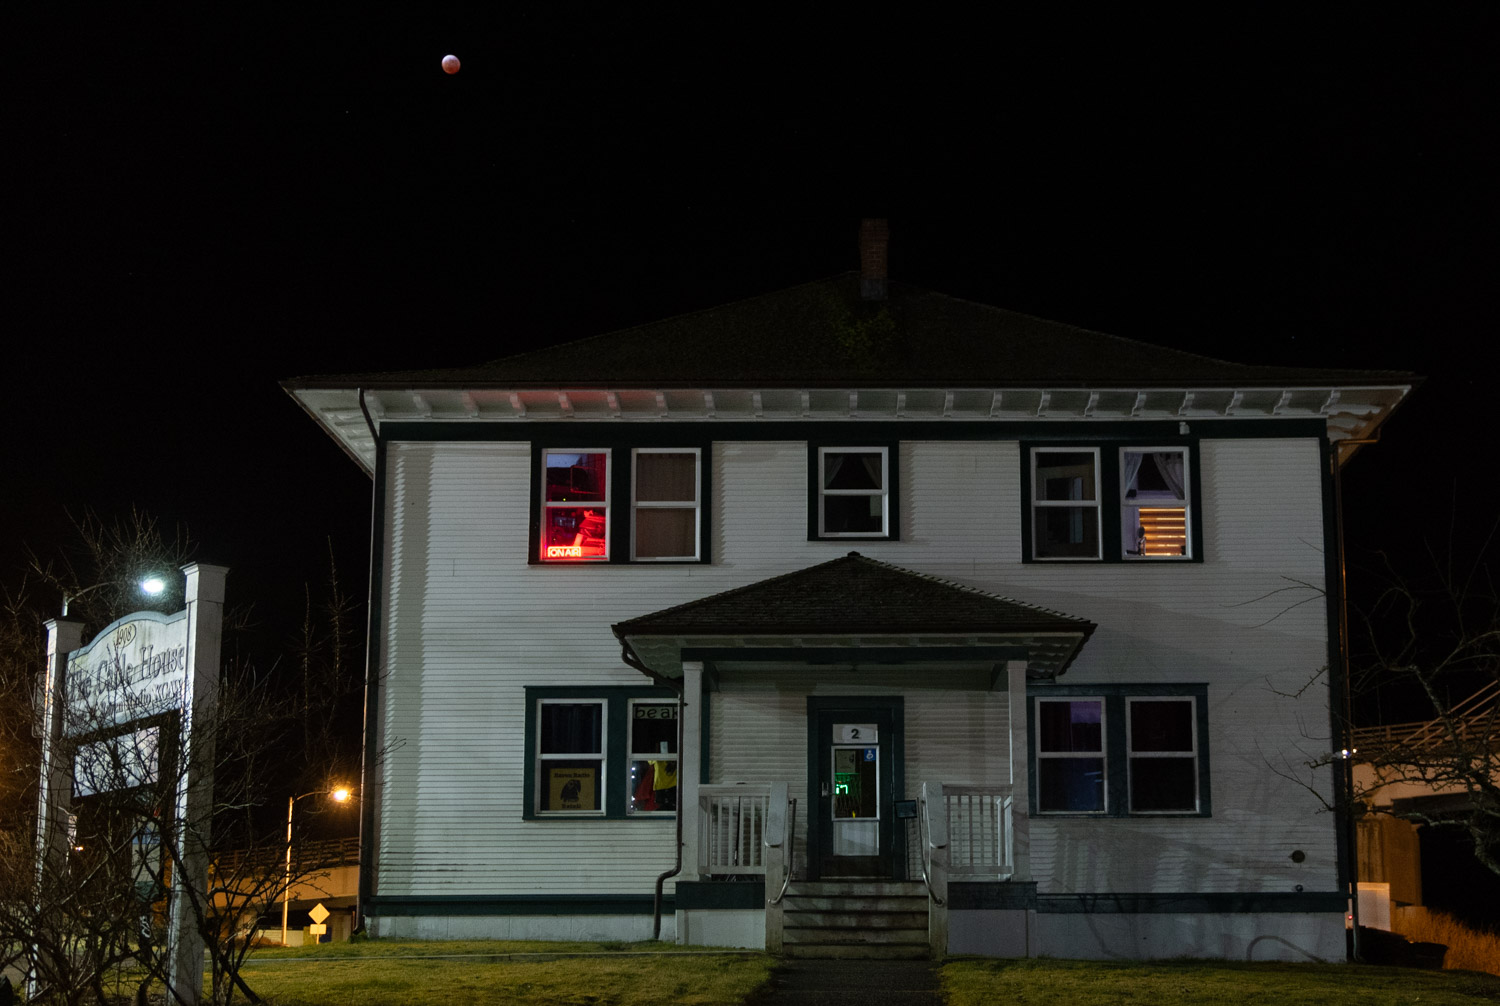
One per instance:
(467,624)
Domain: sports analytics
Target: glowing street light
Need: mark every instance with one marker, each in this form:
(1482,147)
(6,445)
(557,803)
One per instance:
(151,585)
(340,794)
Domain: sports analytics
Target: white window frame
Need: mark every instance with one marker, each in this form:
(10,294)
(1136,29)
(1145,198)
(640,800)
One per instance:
(632,756)
(606,505)
(1102,755)
(1185,503)
(1084,505)
(695,504)
(884,493)
(1131,755)
(602,755)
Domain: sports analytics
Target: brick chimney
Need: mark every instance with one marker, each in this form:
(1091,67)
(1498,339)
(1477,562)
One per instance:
(874,241)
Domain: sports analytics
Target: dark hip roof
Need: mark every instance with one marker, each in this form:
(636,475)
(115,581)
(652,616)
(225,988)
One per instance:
(851,595)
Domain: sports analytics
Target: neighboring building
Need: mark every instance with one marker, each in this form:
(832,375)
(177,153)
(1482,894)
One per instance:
(995,600)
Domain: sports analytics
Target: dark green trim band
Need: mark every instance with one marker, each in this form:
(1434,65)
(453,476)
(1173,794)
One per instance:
(1016,895)
(1301,902)
(894,655)
(968,895)
(515,904)
(720,894)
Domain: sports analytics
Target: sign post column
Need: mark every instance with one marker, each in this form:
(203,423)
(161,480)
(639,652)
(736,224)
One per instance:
(195,787)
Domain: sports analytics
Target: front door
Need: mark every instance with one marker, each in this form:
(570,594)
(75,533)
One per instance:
(854,774)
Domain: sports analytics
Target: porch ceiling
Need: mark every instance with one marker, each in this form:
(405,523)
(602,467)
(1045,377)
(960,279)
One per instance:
(853,611)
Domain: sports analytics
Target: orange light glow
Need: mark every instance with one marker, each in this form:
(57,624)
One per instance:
(1165,530)
(565,551)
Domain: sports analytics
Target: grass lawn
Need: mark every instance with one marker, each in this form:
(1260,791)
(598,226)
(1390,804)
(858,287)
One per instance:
(488,973)
(1178,983)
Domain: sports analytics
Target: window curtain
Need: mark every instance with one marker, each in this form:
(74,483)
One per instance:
(1133,461)
(1171,465)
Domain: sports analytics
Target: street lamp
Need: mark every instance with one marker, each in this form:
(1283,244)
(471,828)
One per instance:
(151,585)
(338,795)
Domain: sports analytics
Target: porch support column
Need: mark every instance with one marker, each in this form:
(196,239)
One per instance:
(1020,789)
(690,766)
(1020,761)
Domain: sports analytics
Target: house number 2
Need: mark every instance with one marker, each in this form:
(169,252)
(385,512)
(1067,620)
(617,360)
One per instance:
(856,733)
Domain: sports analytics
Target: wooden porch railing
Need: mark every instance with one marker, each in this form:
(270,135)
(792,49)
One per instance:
(732,828)
(980,831)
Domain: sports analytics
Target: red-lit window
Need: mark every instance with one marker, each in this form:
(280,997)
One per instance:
(575,505)
(1154,503)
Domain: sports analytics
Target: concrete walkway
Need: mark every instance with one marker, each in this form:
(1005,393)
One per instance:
(852,983)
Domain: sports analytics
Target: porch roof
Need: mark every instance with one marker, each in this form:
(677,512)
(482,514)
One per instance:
(854,604)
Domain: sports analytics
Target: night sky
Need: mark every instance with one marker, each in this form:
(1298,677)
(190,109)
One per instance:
(198,210)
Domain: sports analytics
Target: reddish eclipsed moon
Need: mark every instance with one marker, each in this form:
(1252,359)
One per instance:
(450,64)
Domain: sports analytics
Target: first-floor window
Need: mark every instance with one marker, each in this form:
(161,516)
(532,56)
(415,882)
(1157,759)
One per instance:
(1163,746)
(570,756)
(1121,750)
(653,757)
(604,752)
(1070,761)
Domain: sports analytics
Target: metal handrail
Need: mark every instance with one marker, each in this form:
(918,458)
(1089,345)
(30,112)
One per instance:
(791,856)
(927,848)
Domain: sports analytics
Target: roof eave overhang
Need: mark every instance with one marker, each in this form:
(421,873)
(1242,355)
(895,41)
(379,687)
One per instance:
(354,414)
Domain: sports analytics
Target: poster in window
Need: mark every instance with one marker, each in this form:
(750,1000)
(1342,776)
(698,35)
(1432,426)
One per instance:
(572,789)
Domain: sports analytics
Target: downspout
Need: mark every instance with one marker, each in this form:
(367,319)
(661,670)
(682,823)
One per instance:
(366,787)
(1345,698)
(628,655)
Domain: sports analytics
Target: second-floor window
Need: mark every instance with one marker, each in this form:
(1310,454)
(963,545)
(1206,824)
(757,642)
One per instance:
(1121,503)
(853,492)
(575,505)
(1154,502)
(665,510)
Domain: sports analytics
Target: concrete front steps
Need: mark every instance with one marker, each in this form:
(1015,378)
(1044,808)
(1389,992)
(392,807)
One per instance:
(860,918)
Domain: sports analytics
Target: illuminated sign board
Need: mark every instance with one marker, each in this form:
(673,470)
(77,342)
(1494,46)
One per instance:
(565,551)
(135,668)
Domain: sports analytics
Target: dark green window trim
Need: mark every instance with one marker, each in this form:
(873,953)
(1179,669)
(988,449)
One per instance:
(1109,446)
(1116,757)
(616,749)
(892,487)
(620,497)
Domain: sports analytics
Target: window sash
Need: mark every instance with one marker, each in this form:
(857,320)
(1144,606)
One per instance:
(638,761)
(1085,525)
(1160,525)
(827,495)
(1136,758)
(563,760)
(1054,766)
(647,524)
(590,523)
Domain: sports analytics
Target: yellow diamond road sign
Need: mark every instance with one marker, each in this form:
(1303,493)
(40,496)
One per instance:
(319,913)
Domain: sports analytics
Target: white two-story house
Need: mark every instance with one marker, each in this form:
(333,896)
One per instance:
(856,618)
